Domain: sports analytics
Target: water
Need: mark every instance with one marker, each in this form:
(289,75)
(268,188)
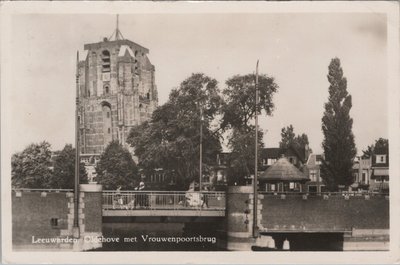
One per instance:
(160,237)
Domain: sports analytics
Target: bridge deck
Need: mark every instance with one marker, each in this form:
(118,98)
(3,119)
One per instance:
(157,203)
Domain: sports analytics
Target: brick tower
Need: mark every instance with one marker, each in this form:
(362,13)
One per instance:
(116,92)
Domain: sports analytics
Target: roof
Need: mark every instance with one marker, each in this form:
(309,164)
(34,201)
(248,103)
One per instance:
(107,44)
(283,170)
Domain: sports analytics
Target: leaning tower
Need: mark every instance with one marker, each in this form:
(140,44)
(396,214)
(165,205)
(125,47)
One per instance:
(116,92)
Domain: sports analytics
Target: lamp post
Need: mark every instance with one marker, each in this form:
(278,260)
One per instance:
(255,180)
(201,148)
(76,188)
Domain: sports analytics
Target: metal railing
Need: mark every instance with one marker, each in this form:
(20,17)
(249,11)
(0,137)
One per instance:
(41,190)
(163,200)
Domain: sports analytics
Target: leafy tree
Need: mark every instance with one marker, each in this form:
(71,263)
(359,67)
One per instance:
(289,138)
(240,106)
(64,170)
(31,167)
(117,168)
(242,157)
(338,143)
(171,139)
(238,111)
(381,143)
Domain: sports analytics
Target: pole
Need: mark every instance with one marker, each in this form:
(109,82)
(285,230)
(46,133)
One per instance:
(76,188)
(201,148)
(255,180)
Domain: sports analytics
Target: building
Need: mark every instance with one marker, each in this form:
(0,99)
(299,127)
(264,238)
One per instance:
(313,171)
(380,170)
(295,156)
(362,173)
(116,92)
(282,176)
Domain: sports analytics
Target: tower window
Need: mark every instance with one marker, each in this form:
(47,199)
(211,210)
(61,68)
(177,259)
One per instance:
(148,95)
(109,130)
(105,58)
(106,89)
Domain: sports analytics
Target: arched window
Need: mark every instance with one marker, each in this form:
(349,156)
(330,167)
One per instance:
(106,89)
(106,62)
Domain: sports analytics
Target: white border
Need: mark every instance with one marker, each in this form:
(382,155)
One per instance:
(390,8)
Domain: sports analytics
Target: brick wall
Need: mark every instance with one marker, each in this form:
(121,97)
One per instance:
(317,214)
(32,213)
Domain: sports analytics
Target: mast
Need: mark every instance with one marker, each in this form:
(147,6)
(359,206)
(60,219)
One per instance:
(255,180)
(76,188)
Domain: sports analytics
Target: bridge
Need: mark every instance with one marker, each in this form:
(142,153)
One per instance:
(361,220)
(163,203)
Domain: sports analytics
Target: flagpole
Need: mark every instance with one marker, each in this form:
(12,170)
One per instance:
(255,180)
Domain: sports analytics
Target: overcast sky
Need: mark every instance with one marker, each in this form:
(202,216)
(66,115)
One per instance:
(295,49)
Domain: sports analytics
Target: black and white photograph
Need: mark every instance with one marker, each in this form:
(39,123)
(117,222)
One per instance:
(255,132)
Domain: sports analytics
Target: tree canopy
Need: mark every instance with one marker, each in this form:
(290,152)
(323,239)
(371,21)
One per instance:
(31,167)
(171,139)
(338,144)
(117,168)
(381,143)
(238,111)
(64,169)
(239,106)
(289,138)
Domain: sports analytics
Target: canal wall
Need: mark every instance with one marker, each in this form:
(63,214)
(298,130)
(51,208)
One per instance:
(41,215)
(45,219)
(362,221)
(323,213)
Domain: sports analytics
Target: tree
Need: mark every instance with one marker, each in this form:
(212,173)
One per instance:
(239,107)
(243,155)
(171,139)
(381,143)
(289,138)
(238,111)
(338,143)
(31,167)
(117,168)
(64,170)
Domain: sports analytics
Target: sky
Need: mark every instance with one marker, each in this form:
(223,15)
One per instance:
(294,48)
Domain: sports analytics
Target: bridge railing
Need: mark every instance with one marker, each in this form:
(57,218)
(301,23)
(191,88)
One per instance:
(163,200)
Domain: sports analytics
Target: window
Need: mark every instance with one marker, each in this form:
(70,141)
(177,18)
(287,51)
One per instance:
(109,130)
(148,95)
(313,175)
(106,89)
(364,177)
(105,58)
(54,222)
(380,159)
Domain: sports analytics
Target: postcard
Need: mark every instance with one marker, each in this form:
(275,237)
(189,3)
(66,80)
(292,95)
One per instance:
(200,132)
